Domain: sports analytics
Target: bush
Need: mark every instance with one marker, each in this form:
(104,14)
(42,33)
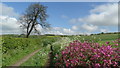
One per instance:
(89,55)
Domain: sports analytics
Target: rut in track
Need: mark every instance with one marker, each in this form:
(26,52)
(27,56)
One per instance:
(49,63)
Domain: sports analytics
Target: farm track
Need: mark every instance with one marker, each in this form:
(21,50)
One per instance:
(24,59)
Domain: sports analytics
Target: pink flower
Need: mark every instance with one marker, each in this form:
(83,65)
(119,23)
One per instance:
(56,55)
(116,44)
(97,65)
(67,64)
(89,54)
(107,42)
(105,61)
(63,52)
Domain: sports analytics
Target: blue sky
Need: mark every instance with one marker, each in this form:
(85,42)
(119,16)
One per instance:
(55,10)
(72,15)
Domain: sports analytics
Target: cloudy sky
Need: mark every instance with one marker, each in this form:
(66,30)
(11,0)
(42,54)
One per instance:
(65,17)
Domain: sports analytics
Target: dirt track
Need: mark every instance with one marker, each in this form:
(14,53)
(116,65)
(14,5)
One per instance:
(24,59)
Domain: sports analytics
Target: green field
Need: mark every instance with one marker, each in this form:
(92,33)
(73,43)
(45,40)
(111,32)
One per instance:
(14,47)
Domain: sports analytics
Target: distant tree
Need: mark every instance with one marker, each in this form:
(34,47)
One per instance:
(34,15)
(102,32)
(21,35)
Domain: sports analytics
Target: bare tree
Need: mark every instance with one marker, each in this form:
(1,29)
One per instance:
(34,15)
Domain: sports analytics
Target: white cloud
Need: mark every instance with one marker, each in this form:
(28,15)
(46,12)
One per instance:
(9,25)
(103,15)
(68,31)
(89,28)
(74,27)
(62,31)
(104,30)
(8,20)
(7,11)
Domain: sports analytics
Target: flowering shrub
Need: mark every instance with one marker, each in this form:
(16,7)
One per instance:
(89,55)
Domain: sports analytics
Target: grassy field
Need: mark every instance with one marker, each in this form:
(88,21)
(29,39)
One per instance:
(15,48)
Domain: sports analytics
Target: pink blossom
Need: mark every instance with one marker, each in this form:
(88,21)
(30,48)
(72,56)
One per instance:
(107,42)
(90,55)
(116,44)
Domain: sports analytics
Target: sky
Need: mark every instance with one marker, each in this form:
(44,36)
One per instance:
(66,18)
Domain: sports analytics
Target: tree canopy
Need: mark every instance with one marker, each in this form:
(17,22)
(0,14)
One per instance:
(34,15)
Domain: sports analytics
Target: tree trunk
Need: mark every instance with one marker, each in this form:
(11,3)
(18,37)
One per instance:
(28,27)
(30,31)
(33,24)
(27,35)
